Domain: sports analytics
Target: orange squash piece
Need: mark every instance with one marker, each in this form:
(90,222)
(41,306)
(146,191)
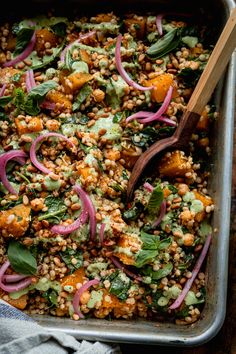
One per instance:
(15,221)
(203,123)
(127,242)
(136,26)
(174,164)
(72,279)
(44,36)
(34,125)
(62,102)
(206,201)
(161,85)
(75,81)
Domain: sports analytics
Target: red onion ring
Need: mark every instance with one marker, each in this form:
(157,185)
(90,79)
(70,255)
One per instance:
(28,81)
(76,299)
(22,284)
(148,187)
(33,157)
(12,278)
(16,155)
(65,230)
(195,271)
(89,207)
(3,88)
(83,36)
(101,232)
(159,24)
(122,71)
(125,270)
(26,52)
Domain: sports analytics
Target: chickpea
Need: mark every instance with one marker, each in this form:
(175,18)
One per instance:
(53,124)
(37,204)
(188,239)
(98,95)
(85,297)
(182,189)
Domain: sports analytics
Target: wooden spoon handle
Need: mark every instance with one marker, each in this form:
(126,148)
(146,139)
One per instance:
(215,66)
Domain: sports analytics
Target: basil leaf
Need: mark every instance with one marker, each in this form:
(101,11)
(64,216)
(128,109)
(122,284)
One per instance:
(150,242)
(19,99)
(56,210)
(163,272)
(23,38)
(155,200)
(4,100)
(67,256)
(36,96)
(21,259)
(85,91)
(144,257)
(164,244)
(120,285)
(165,44)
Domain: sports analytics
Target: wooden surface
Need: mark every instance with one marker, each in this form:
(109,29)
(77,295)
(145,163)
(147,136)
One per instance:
(225,340)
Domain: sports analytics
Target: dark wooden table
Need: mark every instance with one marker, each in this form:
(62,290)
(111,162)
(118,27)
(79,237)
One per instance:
(225,341)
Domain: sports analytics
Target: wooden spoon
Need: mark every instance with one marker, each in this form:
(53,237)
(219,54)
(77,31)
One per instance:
(199,98)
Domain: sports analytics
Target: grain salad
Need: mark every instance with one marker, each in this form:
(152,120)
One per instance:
(80,100)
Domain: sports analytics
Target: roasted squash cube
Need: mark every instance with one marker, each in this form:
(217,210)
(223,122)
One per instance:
(174,164)
(15,221)
(161,85)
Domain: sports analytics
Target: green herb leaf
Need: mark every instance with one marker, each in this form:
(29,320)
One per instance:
(118,117)
(165,44)
(4,100)
(144,257)
(51,296)
(36,96)
(120,285)
(150,242)
(67,256)
(85,91)
(163,272)
(21,259)
(23,38)
(4,117)
(56,210)
(155,200)
(59,29)
(189,76)
(164,244)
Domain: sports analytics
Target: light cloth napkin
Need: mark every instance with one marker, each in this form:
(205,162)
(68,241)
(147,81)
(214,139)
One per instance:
(20,334)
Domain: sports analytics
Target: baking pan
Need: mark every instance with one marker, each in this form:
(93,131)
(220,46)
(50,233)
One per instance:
(149,332)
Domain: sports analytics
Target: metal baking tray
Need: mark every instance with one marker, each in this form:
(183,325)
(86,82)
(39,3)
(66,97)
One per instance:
(149,332)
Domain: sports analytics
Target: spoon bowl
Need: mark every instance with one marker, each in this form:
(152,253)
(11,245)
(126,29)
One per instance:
(212,73)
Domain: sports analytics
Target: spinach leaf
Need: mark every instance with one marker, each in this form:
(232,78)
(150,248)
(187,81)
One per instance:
(85,91)
(21,259)
(4,100)
(51,296)
(150,242)
(36,96)
(189,76)
(19,99)
(165,44)
(120,285)
(56,210)
(145,256)
(11,203)
(163,272)
(22,39)
(155,200)
(67,256)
